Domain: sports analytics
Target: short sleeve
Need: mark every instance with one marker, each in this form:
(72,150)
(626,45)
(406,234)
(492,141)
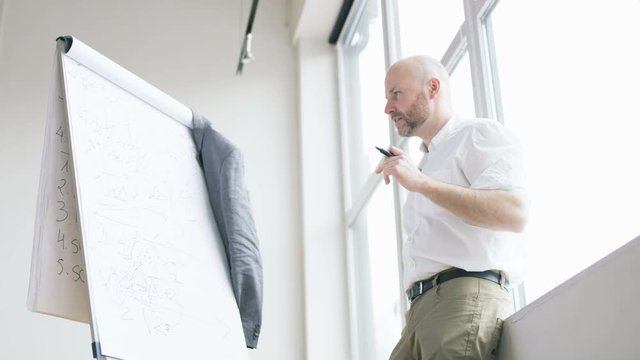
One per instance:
(494,159)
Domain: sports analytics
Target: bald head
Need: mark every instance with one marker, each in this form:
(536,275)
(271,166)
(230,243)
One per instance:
(422,68)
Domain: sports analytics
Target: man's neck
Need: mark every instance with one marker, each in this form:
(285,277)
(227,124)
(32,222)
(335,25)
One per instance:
(434,125)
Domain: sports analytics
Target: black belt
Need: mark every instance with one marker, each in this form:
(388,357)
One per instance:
(421,287)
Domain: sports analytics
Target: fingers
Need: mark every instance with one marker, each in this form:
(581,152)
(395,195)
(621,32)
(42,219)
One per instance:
(395,151)
(388,168)
(380,167)
(388,164)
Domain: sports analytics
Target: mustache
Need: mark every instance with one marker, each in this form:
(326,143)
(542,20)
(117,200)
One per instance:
(398,114)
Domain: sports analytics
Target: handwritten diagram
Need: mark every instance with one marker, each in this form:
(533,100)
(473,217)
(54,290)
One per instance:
(156,268)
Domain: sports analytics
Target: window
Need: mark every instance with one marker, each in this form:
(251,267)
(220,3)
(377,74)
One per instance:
(428,26)
(569,92)
(367,124)
(375,289)
(461,89)
(376,275)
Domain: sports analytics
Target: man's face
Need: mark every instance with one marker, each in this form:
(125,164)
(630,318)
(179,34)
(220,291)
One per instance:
(407,103)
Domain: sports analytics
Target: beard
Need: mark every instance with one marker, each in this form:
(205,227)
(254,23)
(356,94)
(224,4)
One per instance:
(417,115)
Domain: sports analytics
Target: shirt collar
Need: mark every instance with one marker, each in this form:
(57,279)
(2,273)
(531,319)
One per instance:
(447,129)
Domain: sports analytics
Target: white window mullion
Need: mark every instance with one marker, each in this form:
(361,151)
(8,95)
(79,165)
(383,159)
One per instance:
(391,31)
(495,81)
(352,265)
(392,53)
(479,58)
(456,51)
(351,272)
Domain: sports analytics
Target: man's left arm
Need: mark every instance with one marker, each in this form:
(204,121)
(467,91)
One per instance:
(492,209)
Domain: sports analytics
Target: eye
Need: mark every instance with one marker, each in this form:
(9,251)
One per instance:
(396,94)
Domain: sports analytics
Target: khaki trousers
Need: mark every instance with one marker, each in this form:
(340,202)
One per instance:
(458,319)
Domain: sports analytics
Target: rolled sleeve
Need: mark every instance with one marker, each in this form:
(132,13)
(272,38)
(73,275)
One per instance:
(494,160)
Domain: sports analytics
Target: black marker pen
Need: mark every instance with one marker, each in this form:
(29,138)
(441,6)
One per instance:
(384,152)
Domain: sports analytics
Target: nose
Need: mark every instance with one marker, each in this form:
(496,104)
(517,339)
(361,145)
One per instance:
(389,108)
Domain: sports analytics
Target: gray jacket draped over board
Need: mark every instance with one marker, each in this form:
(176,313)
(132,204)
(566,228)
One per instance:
(223,167)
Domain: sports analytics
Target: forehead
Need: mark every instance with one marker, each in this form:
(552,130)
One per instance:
(399,75)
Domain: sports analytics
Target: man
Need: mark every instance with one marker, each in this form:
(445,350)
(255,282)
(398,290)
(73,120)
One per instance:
(465,209)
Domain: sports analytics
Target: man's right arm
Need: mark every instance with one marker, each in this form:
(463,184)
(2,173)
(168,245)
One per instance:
(492,209)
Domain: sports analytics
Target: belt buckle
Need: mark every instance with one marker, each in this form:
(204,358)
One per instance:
(413,293)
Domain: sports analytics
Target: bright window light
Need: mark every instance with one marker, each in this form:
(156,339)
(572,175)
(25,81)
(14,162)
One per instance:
(569,76)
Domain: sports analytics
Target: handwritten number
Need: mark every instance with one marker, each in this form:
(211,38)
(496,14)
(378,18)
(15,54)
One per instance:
(76,244)
(77,270)
(61,239)
(64,213)
(60,133)
(64,182)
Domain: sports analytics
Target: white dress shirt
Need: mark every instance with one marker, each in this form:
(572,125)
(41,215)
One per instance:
(472,153)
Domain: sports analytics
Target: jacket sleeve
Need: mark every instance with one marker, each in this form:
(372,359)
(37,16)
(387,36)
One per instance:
(243,248)
(223,168)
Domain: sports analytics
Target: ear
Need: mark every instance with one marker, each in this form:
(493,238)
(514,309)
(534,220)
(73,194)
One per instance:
(433,87)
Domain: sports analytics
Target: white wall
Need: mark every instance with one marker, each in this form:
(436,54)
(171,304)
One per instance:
(328,334)
(326,288)
(594,315)
(189,49)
